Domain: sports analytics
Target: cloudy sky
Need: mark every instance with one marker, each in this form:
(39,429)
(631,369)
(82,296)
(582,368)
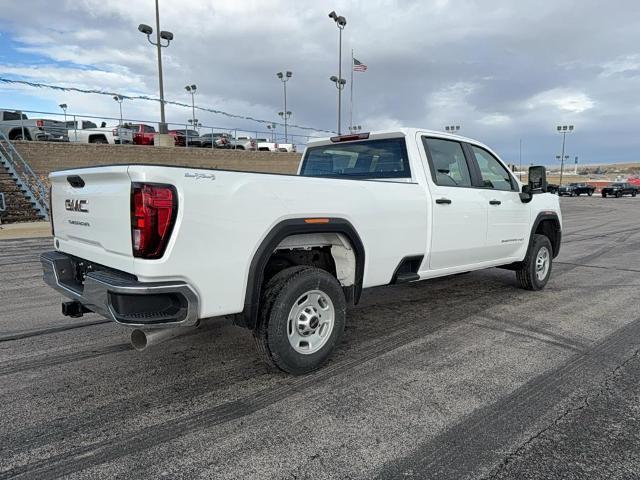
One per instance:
(503,70)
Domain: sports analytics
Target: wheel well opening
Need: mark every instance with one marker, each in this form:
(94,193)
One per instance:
(551,229)
(16,132)
(331,252)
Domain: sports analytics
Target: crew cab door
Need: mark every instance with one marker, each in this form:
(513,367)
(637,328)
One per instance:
(459,211)
(508,218)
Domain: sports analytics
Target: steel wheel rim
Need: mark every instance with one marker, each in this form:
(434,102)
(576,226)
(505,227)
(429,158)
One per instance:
(310,322)
(542,263)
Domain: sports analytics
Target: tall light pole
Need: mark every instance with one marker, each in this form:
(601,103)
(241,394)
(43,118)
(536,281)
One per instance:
(452,128)
(164,35)
(63,106)
(285,116)
(192,90)
(340,82)
(119,99)
(272,127)
(285,78)
(563,129)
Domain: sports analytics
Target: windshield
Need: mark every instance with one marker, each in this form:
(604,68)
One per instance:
(364,160)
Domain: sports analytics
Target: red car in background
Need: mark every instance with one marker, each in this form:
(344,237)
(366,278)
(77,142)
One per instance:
(142,134)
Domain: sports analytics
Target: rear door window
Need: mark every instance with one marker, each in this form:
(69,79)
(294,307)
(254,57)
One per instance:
(369,159)
(448,163)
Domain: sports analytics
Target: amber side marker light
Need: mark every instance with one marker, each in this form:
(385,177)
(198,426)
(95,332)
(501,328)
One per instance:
(316,220)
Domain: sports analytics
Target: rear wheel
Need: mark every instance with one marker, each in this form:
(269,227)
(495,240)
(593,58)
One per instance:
(589,193)
(301,319)
(604,195)
(618,194)
(101,140)
(634,193)
(536,267)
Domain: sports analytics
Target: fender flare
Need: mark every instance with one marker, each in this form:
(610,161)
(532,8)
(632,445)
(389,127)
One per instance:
(553,216)
(279,232)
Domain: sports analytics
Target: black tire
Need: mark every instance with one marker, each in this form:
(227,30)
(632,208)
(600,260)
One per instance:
(604,195)
(526,275)
(574,194)
(589,193)
(278,298)
(101,140)
(634,193)
(618,194)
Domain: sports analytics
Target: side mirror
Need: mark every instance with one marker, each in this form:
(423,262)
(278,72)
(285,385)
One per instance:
(526,195)
(537,179)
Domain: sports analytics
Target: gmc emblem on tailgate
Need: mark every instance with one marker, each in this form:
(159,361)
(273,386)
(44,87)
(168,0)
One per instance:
(76,205)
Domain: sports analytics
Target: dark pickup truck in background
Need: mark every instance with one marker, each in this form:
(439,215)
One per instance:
(576,189)
(619,189)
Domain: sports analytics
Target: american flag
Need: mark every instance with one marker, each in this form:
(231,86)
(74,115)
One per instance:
(358,66)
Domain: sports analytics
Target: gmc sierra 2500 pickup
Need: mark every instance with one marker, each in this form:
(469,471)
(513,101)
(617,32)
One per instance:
(160,248)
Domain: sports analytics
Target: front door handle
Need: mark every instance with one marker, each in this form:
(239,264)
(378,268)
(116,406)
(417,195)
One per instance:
(495,202)
(441,201)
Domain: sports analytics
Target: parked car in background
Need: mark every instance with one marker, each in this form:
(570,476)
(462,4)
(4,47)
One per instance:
(17,126)
(286,147)
(142,134)
(576,189)
(244,143)
(215,140)
(80,124)
(92,134)
(185,138)
(265,145)
(619,189)
(552,188)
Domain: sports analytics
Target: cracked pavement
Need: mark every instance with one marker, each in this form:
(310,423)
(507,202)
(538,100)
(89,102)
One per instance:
(462,377)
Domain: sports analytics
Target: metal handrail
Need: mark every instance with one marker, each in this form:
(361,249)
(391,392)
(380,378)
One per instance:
(26,178)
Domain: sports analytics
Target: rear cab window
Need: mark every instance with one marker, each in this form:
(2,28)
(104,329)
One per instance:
(362,160)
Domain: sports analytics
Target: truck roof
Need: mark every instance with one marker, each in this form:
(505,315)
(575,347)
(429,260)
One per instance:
(404,131)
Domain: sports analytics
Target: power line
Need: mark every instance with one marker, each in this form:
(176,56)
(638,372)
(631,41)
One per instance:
(145,97)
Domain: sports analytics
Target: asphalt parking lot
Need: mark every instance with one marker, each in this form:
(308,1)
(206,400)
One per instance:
(464,377)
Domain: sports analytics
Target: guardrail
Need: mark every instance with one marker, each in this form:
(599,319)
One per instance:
(26,179)
(75,120)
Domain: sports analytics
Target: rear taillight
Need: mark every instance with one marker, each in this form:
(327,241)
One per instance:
(114,132)
(40,123)
(153,214)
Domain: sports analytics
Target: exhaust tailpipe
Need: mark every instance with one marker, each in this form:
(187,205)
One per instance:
(143,339)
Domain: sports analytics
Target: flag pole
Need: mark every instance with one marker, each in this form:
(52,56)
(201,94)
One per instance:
(351,96)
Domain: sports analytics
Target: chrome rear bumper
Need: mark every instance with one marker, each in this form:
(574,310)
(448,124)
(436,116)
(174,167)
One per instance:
(121,297)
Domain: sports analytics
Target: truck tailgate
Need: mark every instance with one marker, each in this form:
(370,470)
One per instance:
(91,214)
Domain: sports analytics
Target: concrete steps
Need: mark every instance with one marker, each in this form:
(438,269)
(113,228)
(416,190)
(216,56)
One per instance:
(19,207)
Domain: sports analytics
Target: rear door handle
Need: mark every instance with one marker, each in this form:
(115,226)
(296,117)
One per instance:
(443,201)
(495,202)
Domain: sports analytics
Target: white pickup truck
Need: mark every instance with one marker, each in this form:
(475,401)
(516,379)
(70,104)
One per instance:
(159,248)
(90,133)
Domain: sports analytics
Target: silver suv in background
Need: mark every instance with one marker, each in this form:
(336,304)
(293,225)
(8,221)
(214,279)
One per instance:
(17,126)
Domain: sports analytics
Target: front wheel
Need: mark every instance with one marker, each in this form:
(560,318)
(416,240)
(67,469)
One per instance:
(536,267)
(301,320)
(590,193)
(634,193)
